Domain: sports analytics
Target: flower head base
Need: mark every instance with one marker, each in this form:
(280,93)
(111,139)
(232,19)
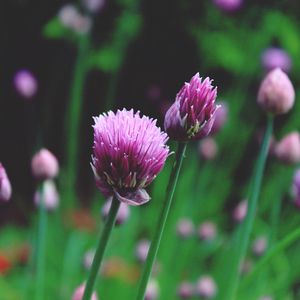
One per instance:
(5,187)
(276,94)
(192,114)
(129,152)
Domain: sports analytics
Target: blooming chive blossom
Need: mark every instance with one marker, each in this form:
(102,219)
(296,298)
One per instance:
(129,152)
(192,115)
(276,58)
(25,83)
(5,187)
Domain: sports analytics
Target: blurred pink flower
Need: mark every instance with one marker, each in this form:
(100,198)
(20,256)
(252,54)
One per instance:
(206,287)
(185,290)
(220,117)
(142,249)
(123,212)
(93,6)
(228,5)
(5,187)
(192,115)
(240,211)
(50,195)
(129,152)
(208,148)
(78,294)
(25,83)
(152,290)
(259,245)
(276,58)
(207,231)
(185,228)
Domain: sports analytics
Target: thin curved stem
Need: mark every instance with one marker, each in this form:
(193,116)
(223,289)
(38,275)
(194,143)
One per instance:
(161,221)
(109,224)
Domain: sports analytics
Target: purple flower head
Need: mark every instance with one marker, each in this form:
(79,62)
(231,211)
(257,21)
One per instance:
(129,152)
(228,5)
(185,228)
(25,83)
(5,187)
(206,287)
(273,58)
(192,115)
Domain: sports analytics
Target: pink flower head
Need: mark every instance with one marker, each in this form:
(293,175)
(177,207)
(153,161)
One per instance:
(142,249)
(208,148)
(5,187)
(206,287)
(185,228)
(123,212)
(50,195)
(93,6)
(276,58)
(129,152)
(152,290)
(228,5)
(78,294)
(185,290)
(192,115)
(207,231)
(259,245)
(44,165)
(276,94)
(240,211)
(25,83)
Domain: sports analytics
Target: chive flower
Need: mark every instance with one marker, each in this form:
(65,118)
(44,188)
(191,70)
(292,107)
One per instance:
(5,187)
(192,115)
(129,151)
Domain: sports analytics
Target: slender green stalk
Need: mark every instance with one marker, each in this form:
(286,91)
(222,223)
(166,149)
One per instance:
(280,246)
(242,241)
(41,243)
(109,224)
(73,118)
(161,221)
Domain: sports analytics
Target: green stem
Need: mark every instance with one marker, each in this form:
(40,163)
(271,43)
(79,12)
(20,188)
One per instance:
(161,221)
(283,244)
(73,119)
(109,224)
(241,244)
(40,263)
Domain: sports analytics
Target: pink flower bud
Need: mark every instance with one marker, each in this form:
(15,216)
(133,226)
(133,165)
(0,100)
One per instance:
(276,58)
(88,259)
(228,5)
(185,290)
(240,211)
(208,148)
(50,195)
(288,149)
(152,290)
(276,93)
(123,212)
(44,165)
(142,249)
(78,294)
(192,115)
(207,231)
(67,15)
(259,245)
(206,287)
(5,187)
(25,83)
(220,118)
(93,6)
(185,228)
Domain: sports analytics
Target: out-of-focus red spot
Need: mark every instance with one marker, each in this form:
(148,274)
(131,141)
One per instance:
(5,264)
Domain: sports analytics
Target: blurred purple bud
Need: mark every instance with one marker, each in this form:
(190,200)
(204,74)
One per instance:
(185,228)
(276,58)
(287,150)
(240,211)
(220,117)
(192,115)
(67,15)
(207,231)
(25,83)
(50,195)
(228,5)
(123,212)
(142,249)
(206,287)
(185,290)
(152,290)
(276,94)
(5,187)
(93,6)
(259,245)
(78,294)
(44,165)
(208,148)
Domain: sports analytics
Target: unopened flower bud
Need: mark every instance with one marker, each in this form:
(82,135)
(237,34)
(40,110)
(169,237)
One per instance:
(44,165)
(276,93)
(185,290)
(79,292)
(208,148)
(228,5)
(123,212)
(25,83)
(206,287)
(273,58)
(5,187)
(192,115)
(259,246)
(240,211)
(152,290)
(207,231)
(185,228)
(288,149)
(50,195)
